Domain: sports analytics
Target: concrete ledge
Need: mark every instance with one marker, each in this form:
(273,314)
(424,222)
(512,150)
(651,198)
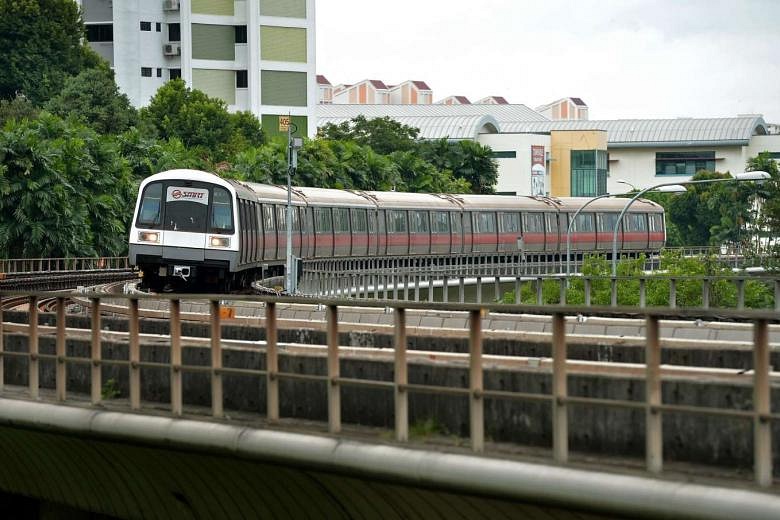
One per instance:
(572,488)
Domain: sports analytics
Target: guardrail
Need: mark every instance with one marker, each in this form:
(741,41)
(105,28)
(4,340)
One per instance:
(14,266)
(761,415)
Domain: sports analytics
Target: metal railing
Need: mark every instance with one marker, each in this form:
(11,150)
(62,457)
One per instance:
(559,400)
(12,266)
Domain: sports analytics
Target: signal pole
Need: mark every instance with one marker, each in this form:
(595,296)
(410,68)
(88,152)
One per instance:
(293,145)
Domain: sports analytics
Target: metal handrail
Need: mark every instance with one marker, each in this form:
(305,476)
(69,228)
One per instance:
(558,398)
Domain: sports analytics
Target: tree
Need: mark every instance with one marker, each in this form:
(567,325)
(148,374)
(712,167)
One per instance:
(42,43)
(383,134)
(466,160)
(93,98)
(200,121)
(147,156)
(17,108)
(768,193)
(64,190)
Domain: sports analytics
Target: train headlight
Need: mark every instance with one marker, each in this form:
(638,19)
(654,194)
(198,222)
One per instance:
(149,236)
(219,241)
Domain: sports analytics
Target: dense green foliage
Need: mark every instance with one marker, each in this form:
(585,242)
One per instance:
(42,43)
(92,97)
(688,273)
(64,190)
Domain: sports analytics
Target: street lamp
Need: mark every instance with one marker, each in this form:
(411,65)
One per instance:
(571,225)
(677,187)
(293,145)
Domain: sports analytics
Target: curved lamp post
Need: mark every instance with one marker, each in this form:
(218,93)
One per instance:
(676,187)
(576,214)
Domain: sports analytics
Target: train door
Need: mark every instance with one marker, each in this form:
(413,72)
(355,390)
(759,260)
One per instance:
(359,232)
(419,233)
(259,227)
(468,234)
(381,225)
(342,239)
(323,232)
(441,237)
(373,233)
(269,232)
(552,233)
(605,231)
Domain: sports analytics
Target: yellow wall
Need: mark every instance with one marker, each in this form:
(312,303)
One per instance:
(562,142)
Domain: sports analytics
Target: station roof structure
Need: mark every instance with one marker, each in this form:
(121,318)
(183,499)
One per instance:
(633,133)
(439,127)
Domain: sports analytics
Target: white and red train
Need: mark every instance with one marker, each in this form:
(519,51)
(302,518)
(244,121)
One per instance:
(192,228)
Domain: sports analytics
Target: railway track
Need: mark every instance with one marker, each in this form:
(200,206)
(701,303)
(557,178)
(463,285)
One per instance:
(46,281)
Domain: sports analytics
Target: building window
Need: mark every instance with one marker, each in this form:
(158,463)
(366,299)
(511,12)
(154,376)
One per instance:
(100,33)
(174,32)
(588,173)
(146,72)
(503,155)
(174,73)
(158,27)
(683,163)
(146,26)
(242,79)
(240,33)
(159,72)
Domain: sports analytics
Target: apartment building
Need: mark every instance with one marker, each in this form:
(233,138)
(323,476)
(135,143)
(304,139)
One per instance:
(256,55)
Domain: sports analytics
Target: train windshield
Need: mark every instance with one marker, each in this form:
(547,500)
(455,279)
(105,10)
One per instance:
(186,208)
(150,212)
(221,212)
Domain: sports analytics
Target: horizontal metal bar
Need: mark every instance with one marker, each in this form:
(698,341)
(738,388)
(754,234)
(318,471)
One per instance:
(610,403)
(519,396)
(351,381)
(433,389)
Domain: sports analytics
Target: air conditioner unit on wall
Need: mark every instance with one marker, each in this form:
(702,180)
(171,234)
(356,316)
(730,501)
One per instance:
(170,5)
(172,49)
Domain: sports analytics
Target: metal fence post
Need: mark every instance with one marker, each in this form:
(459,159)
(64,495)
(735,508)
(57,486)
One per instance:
(705,293)
(33,347)
(762,427)
(672,293)
(562,289)
(334,391)
(216,359)
(61,377)
(559,411)
(177,399)
(479,289)
(642,292)
(518,293)
(586,289)
(539,297)
(134,355)
(271,363)
(740,283)
(476,401)
(96,377)
(401,378)
(613,291)
(653,418)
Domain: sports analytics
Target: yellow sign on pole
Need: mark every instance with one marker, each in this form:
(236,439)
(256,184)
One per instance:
(284,123)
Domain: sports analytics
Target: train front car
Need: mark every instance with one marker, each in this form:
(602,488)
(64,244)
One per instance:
(184,232)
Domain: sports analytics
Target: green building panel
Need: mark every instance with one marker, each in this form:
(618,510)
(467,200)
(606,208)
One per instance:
(282,43)
(213,42)
(216,83)
(287,8)
(270,124)
(283,88)
(218,7)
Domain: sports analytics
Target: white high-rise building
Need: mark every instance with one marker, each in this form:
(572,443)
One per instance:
(256,55)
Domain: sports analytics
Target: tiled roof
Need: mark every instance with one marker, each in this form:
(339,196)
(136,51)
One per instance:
(421,85)
(378,84)
(322,80)
(577,101)
(463,99)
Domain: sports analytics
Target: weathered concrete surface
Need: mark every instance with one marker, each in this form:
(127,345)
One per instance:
(594,430)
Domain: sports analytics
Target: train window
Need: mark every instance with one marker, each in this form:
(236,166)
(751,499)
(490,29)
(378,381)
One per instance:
(440,222)
(359,224)
(606,222)
(396,221)
(322,220)
(297,218)
(584,223)
(656,222)
(484,222)
(150,214)
(533,222)
(508,223)
(221,211)
(552,223)
(455,220)
(341,220)
(372,222)
(186,208)
(636,222)
(269,222)
(281,218)
(418,221)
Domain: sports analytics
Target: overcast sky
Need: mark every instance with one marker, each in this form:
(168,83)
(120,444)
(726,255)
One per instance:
(624,58)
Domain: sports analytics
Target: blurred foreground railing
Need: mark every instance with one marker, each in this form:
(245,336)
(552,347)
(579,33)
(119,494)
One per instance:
(760,415)
(13,266)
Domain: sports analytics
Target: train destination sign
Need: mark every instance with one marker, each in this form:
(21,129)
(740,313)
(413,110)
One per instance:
(180,194)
